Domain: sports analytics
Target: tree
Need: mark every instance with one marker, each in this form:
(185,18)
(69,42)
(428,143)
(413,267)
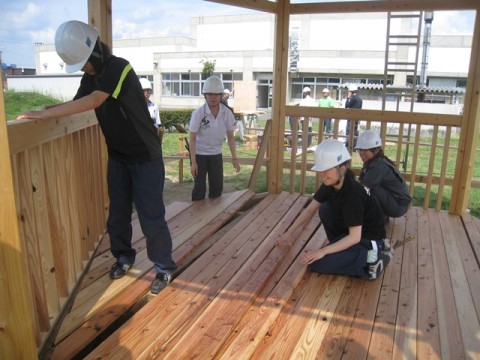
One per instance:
(208,68)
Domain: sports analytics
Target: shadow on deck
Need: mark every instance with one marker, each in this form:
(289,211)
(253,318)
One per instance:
(237,295)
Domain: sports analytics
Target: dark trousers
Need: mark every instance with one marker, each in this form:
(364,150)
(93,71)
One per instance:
(211,165)
(351,261)
(142,184)
(305,123)
(355,133)
(328,125)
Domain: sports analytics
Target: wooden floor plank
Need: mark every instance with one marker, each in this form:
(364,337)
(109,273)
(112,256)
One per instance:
(472,226)
(108,291)
(189,293)
(467,242)
(244,297)
(232,302)
(381,343)
(450,340)
(335,339)
(428,340)
(271,302)
(406,323)
(465,306)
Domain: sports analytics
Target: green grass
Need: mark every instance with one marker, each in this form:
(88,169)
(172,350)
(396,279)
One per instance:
(18,102)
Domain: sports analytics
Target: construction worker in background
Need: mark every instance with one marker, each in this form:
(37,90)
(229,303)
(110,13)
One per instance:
(357,243)
(381,177)
(152,107)
(354,101)
(208,126)
(135,169)
(307,100)
(326,102)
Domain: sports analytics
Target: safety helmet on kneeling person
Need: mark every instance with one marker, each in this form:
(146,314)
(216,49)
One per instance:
(369,139)
(330,153)
(213,85)
(74,43)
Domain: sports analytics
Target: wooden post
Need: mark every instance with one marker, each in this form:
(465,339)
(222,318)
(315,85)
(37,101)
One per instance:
(470,130)
(280,71)
(100,16)
(17,338)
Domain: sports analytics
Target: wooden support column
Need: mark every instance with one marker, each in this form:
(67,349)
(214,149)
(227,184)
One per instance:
(100,16)
(17,338)
(470,130)
(280,71)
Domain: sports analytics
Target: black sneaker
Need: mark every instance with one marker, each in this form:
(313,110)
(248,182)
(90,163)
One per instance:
(160,282)
(119,270)
(375,269)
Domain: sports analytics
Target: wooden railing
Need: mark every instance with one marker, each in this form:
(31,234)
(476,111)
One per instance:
(434,177)
(61,205)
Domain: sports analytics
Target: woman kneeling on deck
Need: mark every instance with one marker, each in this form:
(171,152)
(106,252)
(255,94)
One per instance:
(381,177)
(357,243)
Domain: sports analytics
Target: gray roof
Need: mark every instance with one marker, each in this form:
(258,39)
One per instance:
(423,89)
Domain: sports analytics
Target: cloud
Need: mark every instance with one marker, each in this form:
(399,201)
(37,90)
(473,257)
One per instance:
(453,22)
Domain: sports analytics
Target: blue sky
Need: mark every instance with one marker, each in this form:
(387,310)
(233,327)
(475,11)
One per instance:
(25,23)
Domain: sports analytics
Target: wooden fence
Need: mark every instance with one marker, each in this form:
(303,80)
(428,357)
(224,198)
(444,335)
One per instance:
(58,180)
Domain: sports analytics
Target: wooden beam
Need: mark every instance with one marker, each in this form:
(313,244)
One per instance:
(17,323)
(467,150)
(280,71)
(382,6)
(100,16)
(26,134)
(260,5)
(375,115)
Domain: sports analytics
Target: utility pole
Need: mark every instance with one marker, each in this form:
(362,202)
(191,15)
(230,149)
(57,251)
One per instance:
(427,33)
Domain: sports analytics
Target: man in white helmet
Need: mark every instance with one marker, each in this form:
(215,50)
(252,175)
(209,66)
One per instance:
(354,101)
(152,107)
(326,102)
(357,243)
(135,165)
(380,175)
(307,100)
(208,126)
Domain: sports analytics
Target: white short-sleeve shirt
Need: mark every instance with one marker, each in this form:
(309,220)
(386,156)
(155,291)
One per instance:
(211,131)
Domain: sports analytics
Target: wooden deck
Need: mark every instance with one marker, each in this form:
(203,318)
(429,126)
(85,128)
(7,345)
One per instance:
(238,296)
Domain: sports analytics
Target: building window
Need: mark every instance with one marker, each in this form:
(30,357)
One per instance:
(190,84)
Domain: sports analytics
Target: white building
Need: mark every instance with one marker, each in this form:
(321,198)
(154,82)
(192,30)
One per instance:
(327,50)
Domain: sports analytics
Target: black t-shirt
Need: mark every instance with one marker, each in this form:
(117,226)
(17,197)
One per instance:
(353,206)
(124,118)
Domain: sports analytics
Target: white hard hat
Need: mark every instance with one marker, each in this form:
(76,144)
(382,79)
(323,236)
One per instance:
(213,85)
(330,153)
(74,43)
(145,84)
(368,139)
(226,91)
(326,90)
(352,87)
(306,89)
